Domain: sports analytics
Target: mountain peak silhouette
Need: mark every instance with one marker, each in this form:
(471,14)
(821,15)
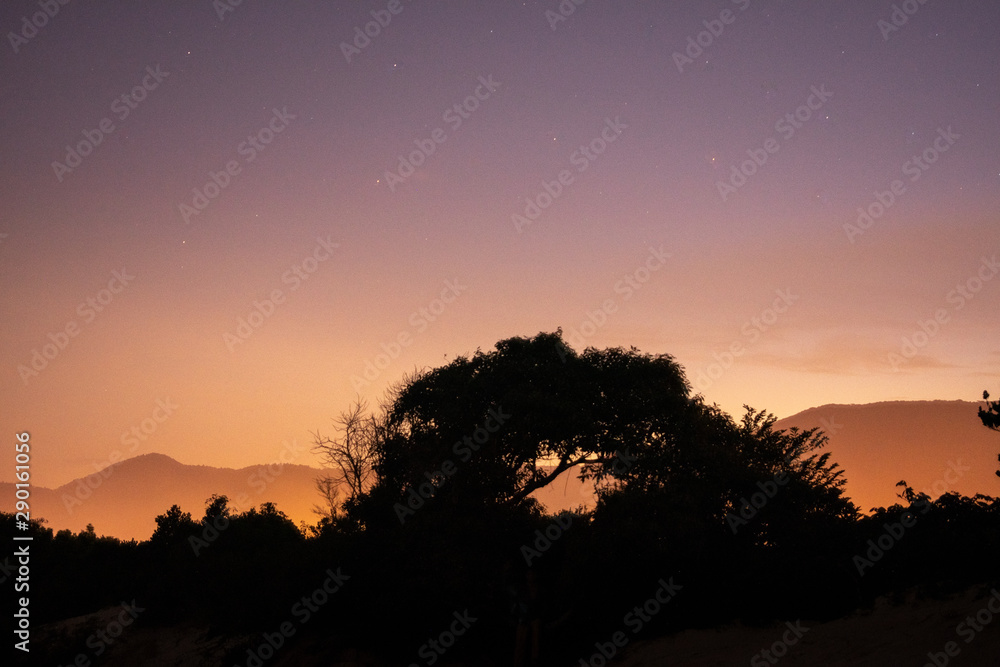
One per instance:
(124,498)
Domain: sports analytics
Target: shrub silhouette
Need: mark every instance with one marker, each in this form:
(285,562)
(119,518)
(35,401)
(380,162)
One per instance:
(751,521)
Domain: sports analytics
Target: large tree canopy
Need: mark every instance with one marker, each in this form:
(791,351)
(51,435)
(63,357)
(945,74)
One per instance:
(492,428)
(512,420)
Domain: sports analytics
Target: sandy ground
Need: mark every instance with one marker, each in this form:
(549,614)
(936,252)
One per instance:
(887,635)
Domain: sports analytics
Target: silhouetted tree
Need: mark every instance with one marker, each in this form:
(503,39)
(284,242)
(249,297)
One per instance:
(740,506)
(173,526)
(495,427)
(351,455)
(991,417)
(216,508)
(750,519)
(329,491)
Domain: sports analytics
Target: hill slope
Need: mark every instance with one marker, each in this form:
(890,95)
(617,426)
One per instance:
(936,446)
(123,499)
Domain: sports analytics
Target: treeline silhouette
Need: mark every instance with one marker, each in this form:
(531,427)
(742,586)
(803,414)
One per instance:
(435,519)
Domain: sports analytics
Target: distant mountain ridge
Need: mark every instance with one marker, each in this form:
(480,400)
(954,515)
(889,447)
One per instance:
(123,499)
(936,446)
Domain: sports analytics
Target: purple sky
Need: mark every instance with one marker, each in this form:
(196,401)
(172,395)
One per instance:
(763,284)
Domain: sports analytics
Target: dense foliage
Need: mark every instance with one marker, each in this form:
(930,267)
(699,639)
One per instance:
(750,523)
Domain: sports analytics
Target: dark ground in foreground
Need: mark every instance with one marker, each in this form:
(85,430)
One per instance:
(893,632)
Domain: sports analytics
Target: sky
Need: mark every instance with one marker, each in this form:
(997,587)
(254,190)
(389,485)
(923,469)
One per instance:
(222,222)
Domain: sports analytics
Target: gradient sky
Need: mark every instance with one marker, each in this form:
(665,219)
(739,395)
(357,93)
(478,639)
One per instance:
(851,296)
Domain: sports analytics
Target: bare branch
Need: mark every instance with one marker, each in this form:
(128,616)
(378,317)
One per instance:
(351,453)
(330,492)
